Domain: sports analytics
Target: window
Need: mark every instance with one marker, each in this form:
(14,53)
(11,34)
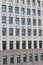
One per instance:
(4,45)
(33,2)
(28,11)
(17,31)
(11,45)
(29,32)
(35,44)
(17,10)
(17,1)
(23,44)
(42,3)
(23,32)
(36,57)
(39,22)
(12,59)
(22,1)
(28,2)
(10,20)
(41,56)
(3,8)
(17,20)
(29,44)
(24,58)
(30,57)
(4,59)
(40,32)
(10,9)
(39,12)
(40,44)
(22,11)
(28,21)
(17,44)
(4,31)
(4,19)
(23,21)
(18,58)
(10,31)
(34,32)
(38,3)
(33,11)
(34,21)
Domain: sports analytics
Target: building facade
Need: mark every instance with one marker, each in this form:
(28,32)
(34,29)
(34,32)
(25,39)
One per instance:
(21,32)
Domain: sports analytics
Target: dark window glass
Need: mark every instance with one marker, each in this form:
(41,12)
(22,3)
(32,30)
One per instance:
(30,57)
(4,31)
(24,58)
(4,59)
(17,44)
(41,56)
(35,44)
(10,9)
(10,31)
(4,45)
(11,45)
(29,44)
(23,32)
(23,44)
(12,59)
(40,44)
(10,20)
(4,19)
(17,31)
(18,59)
(36,57)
